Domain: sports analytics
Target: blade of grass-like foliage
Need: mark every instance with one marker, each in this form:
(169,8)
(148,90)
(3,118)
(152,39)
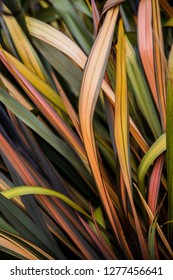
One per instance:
(39,84)
(95,15)
(72,114)
(27,227)
(15,7)
(121,133)
(73,22)
(155,150)
(166,7)
(159,60)
(155,181)
(92,80)
(53,37)
(60,235)
(169,139)
(39,156)
(88,3)
(121,109)
(142,94)
(145,42)
(14,249)
(22,173)
(151,216)
(152,243)
(51,115)
(72,230)
(7,227)
(16,93)
(97,241)
(134,112)
(97,215)
(98,218)
(62,64)
(90,90)
(138,137)
(71,226)
(23,244)
(5,184)
(57,39)
(123,193)
(81,6)
(30,120)
(25,190)
(121,129)
(55,208)
(34,150)
(24,49)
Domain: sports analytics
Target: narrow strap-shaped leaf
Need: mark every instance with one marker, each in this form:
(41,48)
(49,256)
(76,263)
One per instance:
(29,119)
(96,16)
(155,182)
(25,49)
(27,228)
(96,240)
(92,80)
(169,139)
(145,42)
(16,93)
(152,243)
(39,84)
(62,64)
(159,60)
(159,230)
(14,249)
(141,91)
(91,83)
(122,130)
(72,114)
(16,8)
(25,190)
(60,41)
(74,23)
(7,227)
(22,244)
(55,38)
(155,150)
(164,4)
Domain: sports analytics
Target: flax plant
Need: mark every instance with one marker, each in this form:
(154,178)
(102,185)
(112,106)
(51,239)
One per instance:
(86,129)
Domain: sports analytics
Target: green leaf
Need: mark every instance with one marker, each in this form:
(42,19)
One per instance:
(25,190)
(29,230)
(81,6)
(35,124)
(6,226)
(155,150)
(141,91)
(74,23)
(62,64)
(100,219)
(152,245)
